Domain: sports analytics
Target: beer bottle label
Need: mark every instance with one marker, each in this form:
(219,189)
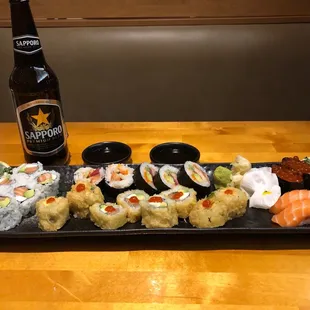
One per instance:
(42,127)
(27,44)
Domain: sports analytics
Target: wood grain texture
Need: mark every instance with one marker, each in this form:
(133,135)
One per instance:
(164,12)
(224,272)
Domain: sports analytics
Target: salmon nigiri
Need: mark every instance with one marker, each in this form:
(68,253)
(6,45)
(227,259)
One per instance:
(294,214)
(288,198)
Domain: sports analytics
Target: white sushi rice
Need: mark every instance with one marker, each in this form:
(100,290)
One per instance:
(127,180)
(10,216)
(189,166)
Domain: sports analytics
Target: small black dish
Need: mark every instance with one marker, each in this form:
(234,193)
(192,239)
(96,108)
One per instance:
(107,153)
(174,153)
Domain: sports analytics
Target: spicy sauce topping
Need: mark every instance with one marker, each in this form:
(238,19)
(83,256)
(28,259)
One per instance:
(207,204)
(80,187)
(110,209)
(228,192)
(50,200)
(155,199)
(177,195)
(134,199)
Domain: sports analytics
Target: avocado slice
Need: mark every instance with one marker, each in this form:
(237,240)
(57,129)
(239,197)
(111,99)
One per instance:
(5,202)
(29,193)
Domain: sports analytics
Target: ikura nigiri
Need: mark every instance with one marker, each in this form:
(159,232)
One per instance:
(295,214)
(288,198)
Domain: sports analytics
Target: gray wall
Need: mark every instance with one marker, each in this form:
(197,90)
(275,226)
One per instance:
(238,72)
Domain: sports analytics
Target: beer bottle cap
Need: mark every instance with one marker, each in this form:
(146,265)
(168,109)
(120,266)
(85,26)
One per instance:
(110,152)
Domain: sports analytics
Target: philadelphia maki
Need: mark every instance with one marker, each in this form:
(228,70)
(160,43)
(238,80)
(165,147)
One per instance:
(166,178)
(159,212)
(108,215)
(130,200)
(48,182)
(93,175)
(144,178)
(192,175)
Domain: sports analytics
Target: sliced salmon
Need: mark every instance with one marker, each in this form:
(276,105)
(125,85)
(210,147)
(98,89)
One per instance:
(5,181)
(43,177)
(288,198)
(294,214)
(115,177)
(20,191)
(31,169)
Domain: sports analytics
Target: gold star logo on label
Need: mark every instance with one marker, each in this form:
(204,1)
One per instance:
(41,118)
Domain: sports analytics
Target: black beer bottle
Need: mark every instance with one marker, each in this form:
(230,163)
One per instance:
(35,92)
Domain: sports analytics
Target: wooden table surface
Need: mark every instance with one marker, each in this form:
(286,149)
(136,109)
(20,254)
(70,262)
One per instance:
(216,272)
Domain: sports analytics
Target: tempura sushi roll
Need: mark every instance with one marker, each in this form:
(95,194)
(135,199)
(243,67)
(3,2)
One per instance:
(144,178)
(130,200)
(166,178)
(81,197)
(119,178)
(48,182)
(52,213)
(26,196)
(194,176)
(88,174)
(159,212)
(10,215)
(208,214)
(235,199)
(108,215)
(184,198)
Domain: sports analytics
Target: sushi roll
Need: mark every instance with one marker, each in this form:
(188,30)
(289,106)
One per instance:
(25,172)
(10,215)
(4,168)
(26,196)
(234,199)
(159,212)
(130,200)
(184,198)
(52,213)
(108,215)
(166,178)
(82,196)
(119,178)
(48,182)
(144,178)
(92,175)
(208,214)
(194,176)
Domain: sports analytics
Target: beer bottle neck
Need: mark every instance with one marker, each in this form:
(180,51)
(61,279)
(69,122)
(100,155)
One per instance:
(26,42)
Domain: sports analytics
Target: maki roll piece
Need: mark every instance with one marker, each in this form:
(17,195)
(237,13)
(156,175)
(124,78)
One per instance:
(288,179)
(108,215)
(48,182)
(184,198)
(194,176)
(10,215)
(25,172)
(130,200)
(4,168)
(208,214)
(166,178)
(159,212)
(52,213)
(144,178)
(235,200)
(81,197)
(119,178)
(27,197)
(88,174)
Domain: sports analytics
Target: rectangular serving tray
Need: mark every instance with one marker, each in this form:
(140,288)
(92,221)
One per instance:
(255,221)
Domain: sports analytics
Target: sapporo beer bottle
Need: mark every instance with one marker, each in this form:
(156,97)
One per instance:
(35,93)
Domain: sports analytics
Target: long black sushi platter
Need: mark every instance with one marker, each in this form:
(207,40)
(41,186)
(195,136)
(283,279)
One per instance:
(254,221)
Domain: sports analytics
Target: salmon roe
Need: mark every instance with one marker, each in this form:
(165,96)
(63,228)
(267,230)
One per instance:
(207,204)
(177,195)
(228,192)
(50,200)
(80,187)
(156,199)
(134,199)
(110,209)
